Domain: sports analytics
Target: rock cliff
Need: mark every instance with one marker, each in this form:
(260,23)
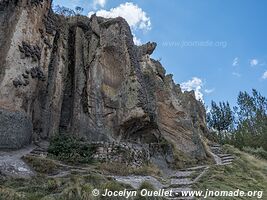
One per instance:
(84,76)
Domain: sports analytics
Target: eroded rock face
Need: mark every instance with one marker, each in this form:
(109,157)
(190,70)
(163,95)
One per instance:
(16,129)
(86,77)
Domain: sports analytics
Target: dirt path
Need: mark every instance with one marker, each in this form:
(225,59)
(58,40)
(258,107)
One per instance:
(11,164)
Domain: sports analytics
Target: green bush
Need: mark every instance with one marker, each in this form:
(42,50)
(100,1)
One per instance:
(71,149)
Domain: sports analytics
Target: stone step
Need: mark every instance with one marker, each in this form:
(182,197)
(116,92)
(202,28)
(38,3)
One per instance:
(227,160)
(224,155)
(182,174)
(181,181)
(195,168)
(216,152)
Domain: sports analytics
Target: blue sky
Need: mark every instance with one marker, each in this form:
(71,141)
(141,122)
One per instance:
(217,47)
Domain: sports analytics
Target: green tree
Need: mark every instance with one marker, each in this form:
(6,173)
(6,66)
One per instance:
(251,112)
(221,118)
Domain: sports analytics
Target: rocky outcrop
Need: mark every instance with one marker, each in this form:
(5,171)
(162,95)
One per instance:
(86,77)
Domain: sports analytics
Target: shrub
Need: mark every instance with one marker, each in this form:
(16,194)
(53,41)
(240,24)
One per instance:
(71,149)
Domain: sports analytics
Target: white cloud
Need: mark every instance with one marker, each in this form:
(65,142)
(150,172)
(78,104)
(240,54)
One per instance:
(100,3)
(136,40)
(194,84)
(264,75)
(208,91)
(134,15)
(235,62)
(254,62)
(236,74)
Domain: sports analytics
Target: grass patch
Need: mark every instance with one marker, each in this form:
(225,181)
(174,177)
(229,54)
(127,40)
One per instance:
(10,194)
(30,189)
(41,165)
(259,152)
(246,173)
(113,168)
(72,187)
(114,186)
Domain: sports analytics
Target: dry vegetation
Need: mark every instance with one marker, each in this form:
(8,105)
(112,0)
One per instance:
(247,173)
